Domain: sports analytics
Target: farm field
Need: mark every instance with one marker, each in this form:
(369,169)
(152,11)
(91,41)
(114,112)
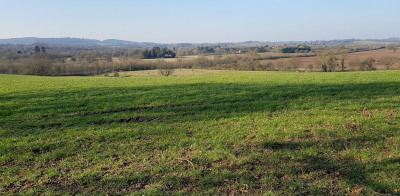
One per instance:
(304,59)
(375,54)
(201,132)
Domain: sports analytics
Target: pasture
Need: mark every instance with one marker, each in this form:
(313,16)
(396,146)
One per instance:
(203,132)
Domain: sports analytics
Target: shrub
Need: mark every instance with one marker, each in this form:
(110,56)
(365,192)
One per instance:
(204,62)
(355,64)
(388,61)
(310,67)
(39,65)
(166,69)
(368,64)
(267,67)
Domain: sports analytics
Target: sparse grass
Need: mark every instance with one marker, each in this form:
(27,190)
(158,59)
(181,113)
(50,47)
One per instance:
(231,132)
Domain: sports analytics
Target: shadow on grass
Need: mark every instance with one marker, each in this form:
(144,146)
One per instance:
(328,162)
(42,112)
(181,102)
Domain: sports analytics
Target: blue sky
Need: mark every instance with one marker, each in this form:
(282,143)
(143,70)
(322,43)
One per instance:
(175,21)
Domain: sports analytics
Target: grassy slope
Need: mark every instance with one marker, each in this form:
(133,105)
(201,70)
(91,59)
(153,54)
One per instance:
(232,132)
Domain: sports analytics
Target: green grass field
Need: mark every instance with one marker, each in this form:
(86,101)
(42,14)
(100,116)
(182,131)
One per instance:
(223,132)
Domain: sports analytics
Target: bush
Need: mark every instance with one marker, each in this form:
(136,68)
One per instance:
(388,61)
(368,65)
(355,64)
(267,67)
(310,67)
(166,69)
(204,62)
(39,65)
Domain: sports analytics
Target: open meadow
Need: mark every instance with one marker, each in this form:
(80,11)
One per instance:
(201,132)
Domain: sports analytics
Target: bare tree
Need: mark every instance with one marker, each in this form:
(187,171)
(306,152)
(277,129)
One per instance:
(310,67)
(204,62)
(39,65)
(166,69)
(294,63)
(343,55)
(282,66)
(180,63)
(251,60)
(266,67)
(12,56)
(331,63)
(355,64)
(232,61)
(328,60)
(388,61)
(368,64)
(393,48)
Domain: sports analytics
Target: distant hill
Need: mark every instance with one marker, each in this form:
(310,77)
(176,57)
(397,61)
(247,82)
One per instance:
(122,43)
(75,42)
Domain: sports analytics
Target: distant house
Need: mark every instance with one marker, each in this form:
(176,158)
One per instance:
(239,52)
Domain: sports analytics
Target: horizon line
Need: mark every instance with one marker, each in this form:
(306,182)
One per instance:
(326,40)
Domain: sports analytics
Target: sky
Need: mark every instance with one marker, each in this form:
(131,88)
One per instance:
(199,21)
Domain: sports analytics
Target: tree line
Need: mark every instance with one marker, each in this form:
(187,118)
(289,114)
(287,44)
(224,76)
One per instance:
(297,49)
(157,52)
(39,60)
